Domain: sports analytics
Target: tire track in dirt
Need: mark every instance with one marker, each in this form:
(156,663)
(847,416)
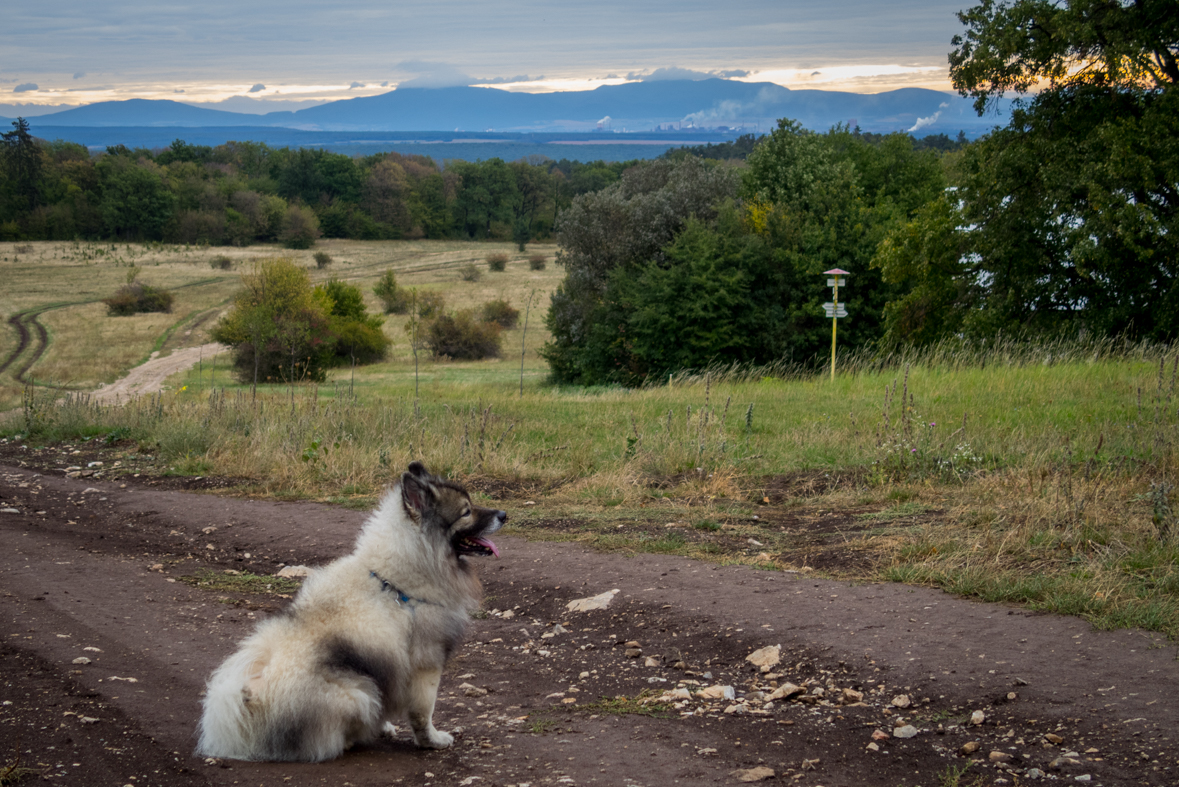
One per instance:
(148,378)
(30,333)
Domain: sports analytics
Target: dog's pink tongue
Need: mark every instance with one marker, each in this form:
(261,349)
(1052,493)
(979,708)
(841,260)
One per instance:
(483,542)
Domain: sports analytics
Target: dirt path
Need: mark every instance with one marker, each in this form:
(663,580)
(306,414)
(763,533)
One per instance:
(94,569)
(149,377)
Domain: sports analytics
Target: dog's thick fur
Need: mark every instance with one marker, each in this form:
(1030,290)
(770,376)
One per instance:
(364,642)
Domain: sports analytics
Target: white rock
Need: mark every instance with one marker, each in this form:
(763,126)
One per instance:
(717,693)
(295,572)
(907,731)
(600,601)
(902,701)
(767,657)
(507,614)
(977,718)
(475,691)
(81,660)
(786,691)
(9,510)
(758,774)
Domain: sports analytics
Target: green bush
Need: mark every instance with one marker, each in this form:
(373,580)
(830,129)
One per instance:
(462,337)
(322,259)
(499,312)
(497,261)
(395,298)
(135,297)
(430,304)
(300,228)
(357,334)
(470,272)
(536,262)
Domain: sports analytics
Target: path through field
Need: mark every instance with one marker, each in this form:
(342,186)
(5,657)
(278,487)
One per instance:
(149,377)
(107,639)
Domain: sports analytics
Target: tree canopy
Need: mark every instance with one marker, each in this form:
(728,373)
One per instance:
(1068,217)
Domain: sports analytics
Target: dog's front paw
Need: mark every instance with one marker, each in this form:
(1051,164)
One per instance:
(434,739)
(389,729)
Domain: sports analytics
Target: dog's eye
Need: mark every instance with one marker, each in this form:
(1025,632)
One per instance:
(467,513)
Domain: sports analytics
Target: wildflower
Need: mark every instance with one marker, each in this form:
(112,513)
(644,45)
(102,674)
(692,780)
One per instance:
(912,450)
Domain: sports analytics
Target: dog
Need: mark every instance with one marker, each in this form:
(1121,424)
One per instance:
(364,642)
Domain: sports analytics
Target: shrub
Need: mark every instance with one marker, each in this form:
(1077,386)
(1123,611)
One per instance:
(430,304)
(278,326)
(300,228)
(222,262)
(497,261)
(395,298)
(357,334)
(135,297)
(322,259)
(470,272)
(536,262)
(24,248)
(499,312)
(462,337)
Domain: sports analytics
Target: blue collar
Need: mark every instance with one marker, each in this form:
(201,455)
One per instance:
(401,596)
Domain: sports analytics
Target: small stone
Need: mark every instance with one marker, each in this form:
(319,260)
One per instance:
(87,719)
(652,661)
(969,748)
(1084,777)
(583,676)
(907,731)
(1034,773)
(880,735)
(634,653)
(999,756)
(634,643)
(717,693)
(786,691)
(850,696)
(1054,739)
(81,660)
(208,530)
(901,701)
(507,614)
(872,747)
(1063,762)
(766,658)
(157,567)
(600,601)
(977,718)
(295,572)
(472,691)
(761,773)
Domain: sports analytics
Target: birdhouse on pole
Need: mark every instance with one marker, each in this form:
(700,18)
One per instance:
(834,309)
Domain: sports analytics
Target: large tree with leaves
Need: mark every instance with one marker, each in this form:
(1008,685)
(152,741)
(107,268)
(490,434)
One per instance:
(1068,217)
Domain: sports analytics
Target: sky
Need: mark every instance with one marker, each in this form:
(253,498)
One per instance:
(262,55)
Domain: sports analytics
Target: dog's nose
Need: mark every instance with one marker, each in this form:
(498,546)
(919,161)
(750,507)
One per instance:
(502,516)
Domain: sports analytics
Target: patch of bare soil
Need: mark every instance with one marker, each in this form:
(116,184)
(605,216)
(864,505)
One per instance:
(106,649)
(149,377)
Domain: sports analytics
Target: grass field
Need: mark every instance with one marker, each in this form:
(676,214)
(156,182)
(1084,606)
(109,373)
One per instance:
(1038,475)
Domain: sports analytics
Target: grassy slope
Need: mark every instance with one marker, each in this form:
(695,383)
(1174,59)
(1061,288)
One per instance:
(1040,466)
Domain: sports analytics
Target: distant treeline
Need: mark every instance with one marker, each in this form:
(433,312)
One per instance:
(742,146)
(245,192)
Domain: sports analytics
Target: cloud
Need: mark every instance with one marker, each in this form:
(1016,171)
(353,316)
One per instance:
(385,84)
(355,84)
(928,121)
(79,74)
(733,72)
(258,88)
(666,74)
(508,80)
(27,87)
(177,90)
(432,74)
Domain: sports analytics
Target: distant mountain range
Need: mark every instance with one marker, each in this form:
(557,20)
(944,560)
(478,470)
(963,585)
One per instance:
(713,104)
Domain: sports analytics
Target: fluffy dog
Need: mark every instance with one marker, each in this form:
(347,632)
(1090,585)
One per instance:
(365,640)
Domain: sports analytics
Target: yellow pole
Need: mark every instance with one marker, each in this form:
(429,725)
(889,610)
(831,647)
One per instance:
(834,322)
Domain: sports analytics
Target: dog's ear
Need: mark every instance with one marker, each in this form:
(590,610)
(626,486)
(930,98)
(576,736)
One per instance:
(417,493)
(418,469)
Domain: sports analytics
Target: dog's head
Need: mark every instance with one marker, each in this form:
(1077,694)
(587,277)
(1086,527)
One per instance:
(445,508)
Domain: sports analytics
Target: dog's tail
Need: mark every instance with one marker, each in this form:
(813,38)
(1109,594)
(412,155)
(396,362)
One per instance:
(232,709)
(267,703)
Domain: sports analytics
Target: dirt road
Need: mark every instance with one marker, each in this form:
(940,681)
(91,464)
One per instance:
(149,377)
(108,638)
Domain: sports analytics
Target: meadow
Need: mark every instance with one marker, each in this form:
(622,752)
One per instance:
(1032,474)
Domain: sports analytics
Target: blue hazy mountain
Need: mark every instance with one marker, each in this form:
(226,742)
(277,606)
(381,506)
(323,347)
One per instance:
(637,106)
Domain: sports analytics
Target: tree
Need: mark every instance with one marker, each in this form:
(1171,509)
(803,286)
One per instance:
(136,203)
(278,327)
(22,163)
(1072,208)
(627,223)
